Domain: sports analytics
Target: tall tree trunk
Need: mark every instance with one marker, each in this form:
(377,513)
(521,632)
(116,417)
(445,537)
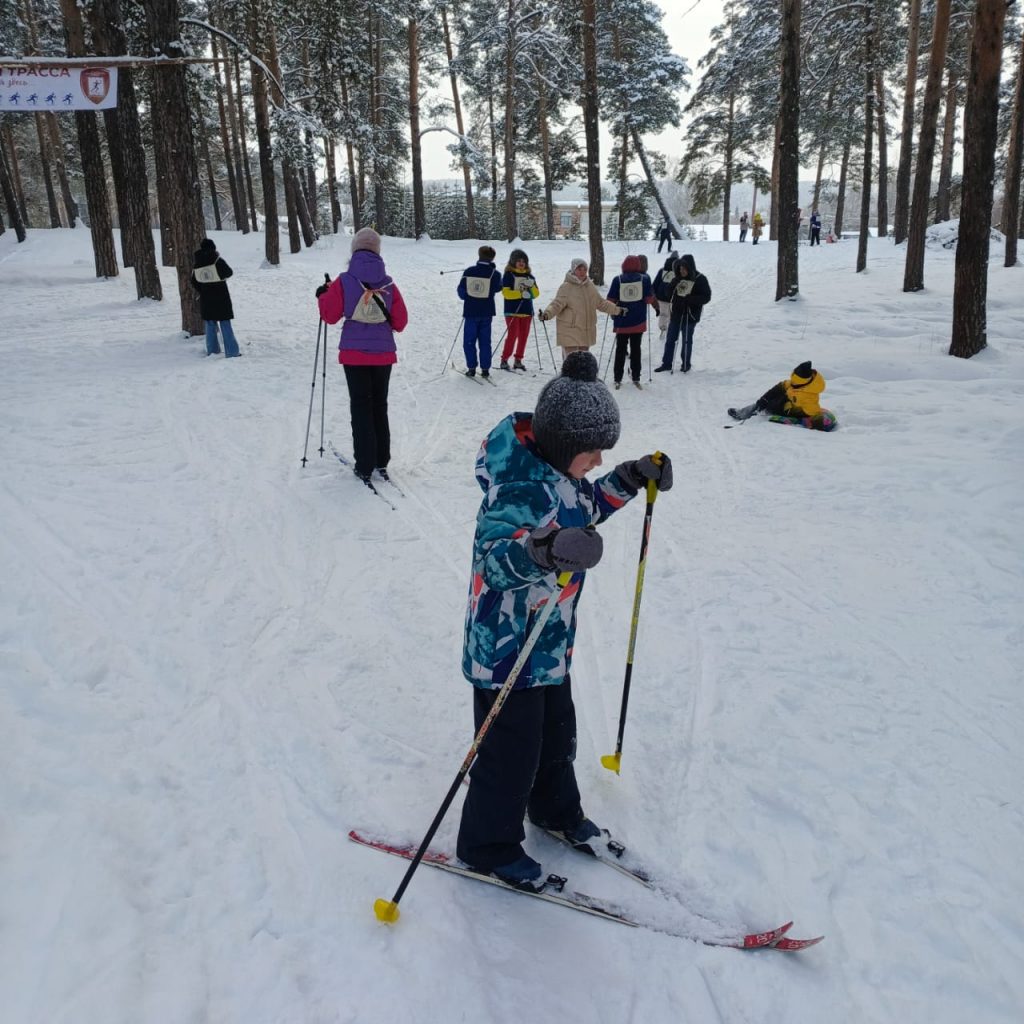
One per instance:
(136,221)
(332,182)
(268,179)
(379,196)
(943,196)
(290,207)
(355,194)
(236,119)
(466,174)
(241,220)
(15,171)
(970,283)
(652,181)
(1011,190)
(93,171)
(844,169)
(419,210)
(545,156)
(591,128)
(913,274)
(869,128)
(816,197)
(623,179)
(60,165)
(728,158)
(44,160)
(773,210)
(204,144)
(494,149)
(901,214)
(243,153)
(176,156)
(511,213)
(883,152)
(10,199)
(787,282)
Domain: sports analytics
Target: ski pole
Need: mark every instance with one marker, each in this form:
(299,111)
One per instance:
(309,418)
(323,391)
(650,351)
(387,910)
(547,338)
(457,270)
(613,762)
(444,369)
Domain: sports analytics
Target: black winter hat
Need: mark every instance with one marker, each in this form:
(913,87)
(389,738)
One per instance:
(803,373)
(575,413)
(517,254)
(208,244)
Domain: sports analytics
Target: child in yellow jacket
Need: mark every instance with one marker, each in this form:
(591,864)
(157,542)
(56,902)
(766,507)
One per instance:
(794,399)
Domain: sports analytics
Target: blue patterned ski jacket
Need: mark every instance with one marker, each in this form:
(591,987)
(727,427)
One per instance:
(507,589)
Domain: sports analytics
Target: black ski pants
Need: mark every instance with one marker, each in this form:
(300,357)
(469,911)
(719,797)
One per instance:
(524,766)
(634,344)
(368,401)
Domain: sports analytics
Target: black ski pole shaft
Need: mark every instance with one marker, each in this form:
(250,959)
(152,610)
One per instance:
(387,910)
(323,387)
(613,762)
(547,338)
(312,392)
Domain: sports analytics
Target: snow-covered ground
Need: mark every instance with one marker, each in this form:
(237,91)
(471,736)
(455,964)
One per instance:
(215,662)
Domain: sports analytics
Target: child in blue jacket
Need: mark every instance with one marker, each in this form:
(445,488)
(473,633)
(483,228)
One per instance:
(537,520)
(477,288)
(633,292)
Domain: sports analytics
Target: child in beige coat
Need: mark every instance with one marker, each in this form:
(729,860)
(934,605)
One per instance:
(574,309)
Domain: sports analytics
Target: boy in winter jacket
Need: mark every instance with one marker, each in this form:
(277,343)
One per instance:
(797,398)
(690,293)
(537,520)
(633,293)
(575,307)
(519,289)
(209,274)
(477,288)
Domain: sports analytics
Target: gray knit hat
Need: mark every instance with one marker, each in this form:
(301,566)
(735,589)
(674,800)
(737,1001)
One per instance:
(366,238)
(575,413)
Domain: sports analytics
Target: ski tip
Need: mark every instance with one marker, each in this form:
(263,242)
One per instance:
(613,762)
(758,940)
(386,911)
(785,945)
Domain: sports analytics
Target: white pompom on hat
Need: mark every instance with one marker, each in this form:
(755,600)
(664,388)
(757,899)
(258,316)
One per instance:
(366,238)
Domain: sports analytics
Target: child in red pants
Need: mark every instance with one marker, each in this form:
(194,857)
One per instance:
(519,289)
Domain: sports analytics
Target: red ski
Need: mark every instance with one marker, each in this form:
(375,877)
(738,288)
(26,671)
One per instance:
(554,892)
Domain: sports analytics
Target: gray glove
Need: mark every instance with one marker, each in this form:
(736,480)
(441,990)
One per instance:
(571,549)
(636,473)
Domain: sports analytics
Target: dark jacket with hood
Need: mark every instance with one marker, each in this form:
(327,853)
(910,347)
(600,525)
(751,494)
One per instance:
(633,292)
(690,292)
(664,280)
(214,299)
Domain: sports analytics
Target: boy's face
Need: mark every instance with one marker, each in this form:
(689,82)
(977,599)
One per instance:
(584,463)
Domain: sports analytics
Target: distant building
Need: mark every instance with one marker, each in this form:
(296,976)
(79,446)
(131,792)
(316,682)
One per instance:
(572,213)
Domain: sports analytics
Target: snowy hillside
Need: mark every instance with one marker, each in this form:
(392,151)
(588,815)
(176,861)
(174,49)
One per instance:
(215,662)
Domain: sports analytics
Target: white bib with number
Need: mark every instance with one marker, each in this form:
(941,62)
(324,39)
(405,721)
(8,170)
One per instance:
(478,287)
(631,291)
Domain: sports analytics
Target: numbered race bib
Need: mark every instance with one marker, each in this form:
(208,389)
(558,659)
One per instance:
(684,288)
(631,291)
(207,275)
(478,287)
(522,284)
(367,311)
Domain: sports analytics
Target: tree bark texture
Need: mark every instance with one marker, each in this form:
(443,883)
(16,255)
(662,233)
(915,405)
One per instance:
(511,214)
(419,209)
(869,127)
(227,144)
(844,171)
(787,282)
(268,180)
(883,157)
(943,197)
(913,273)
(981,112)
(1011,189)
(15,171)
(901,213)
(176,157)
(10,199)
(60,165)
(236,118)
(591,129)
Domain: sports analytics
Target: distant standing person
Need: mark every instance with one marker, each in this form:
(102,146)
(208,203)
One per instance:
(575,308)
(815,228)
(691,293)
(373,309)
(477,288)
(633,292)
(210,271)
(519,289)
(758,227)
(744,225)
(665,235)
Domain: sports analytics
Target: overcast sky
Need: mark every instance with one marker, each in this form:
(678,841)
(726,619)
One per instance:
(687,24)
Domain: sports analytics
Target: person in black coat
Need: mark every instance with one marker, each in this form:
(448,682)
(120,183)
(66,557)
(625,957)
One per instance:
(690,294)
(209,274)
(665,235)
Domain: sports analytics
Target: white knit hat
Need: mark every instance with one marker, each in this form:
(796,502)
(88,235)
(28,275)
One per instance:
(366,238)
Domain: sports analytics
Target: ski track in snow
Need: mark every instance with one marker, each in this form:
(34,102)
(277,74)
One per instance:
(216,661)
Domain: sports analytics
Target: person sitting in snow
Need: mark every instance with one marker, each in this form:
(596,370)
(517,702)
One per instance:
(795,399)
(537,520)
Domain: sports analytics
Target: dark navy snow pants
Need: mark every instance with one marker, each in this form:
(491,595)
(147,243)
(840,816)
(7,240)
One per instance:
(524,766)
